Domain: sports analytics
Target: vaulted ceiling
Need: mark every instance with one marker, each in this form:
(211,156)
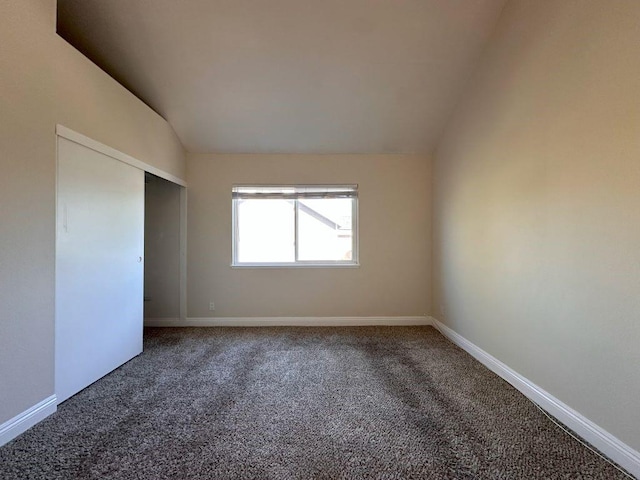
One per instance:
(289,76)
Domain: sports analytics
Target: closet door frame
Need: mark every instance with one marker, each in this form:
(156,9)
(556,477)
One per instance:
(64,389)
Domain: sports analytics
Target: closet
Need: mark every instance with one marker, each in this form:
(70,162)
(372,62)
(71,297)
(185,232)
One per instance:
(99,265)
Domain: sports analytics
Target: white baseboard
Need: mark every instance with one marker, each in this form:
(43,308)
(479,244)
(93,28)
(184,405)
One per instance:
(616,450)
(27,419)
(287,321)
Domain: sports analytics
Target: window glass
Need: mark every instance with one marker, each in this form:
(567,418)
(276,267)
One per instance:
(324,229)
(265,231)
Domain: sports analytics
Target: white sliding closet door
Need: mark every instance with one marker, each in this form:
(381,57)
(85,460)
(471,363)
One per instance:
(99,266)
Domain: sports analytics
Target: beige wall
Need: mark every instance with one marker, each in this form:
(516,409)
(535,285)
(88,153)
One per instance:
(537,206)
(43,81)
(92,103)
(394,219)
(27,192)
(161,248)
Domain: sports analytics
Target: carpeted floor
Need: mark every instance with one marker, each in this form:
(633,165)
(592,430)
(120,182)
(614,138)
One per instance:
(299,403)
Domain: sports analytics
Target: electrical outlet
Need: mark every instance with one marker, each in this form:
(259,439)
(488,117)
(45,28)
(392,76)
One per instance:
(212,306)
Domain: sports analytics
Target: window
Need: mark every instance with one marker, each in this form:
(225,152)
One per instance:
(295,225)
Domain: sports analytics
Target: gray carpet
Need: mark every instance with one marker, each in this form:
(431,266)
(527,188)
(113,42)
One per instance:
(299,403)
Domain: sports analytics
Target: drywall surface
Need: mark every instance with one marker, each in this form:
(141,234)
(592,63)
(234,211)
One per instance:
(537,206)
(27,205)
(43,82)
(161,248)
(394,220)
(92,103)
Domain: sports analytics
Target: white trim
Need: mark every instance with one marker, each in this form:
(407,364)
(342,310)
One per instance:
(287,321)
(296,265)
(76,137)
(606,443)
(27,419)
(183,253)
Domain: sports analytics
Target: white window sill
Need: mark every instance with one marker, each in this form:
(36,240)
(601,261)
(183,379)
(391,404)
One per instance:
(295,265)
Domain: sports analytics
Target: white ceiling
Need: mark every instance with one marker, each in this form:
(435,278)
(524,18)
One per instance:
(289,76)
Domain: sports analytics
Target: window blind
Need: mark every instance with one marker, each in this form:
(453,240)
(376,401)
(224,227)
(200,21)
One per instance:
(293,192)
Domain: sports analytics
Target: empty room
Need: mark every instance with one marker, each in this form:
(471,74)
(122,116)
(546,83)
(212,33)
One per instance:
(338,239)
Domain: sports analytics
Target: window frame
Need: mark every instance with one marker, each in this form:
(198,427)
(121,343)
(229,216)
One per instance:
(353,263)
